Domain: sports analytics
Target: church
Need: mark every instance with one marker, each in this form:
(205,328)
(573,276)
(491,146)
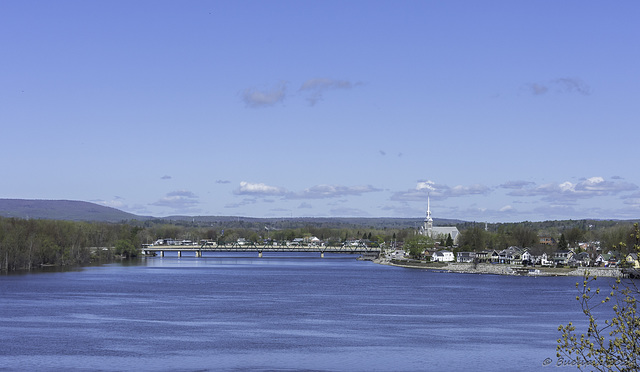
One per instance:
(437,232)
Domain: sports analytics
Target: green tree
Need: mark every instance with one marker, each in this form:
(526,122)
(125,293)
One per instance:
(416,244)
(562,242)
(615,344)
(473,239)
(125,248)
(574,236)
(449,242)
(525,236)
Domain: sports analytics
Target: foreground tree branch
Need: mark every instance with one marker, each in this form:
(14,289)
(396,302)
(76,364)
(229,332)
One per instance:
(612,345)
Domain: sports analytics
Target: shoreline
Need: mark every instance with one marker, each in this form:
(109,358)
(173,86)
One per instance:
(503,269)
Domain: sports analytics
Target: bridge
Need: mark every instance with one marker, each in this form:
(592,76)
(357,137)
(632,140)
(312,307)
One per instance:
(153,250)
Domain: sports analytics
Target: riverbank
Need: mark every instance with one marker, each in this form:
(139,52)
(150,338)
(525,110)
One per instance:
(502,269)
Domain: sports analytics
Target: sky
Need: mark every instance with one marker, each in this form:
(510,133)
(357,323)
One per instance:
(497,111)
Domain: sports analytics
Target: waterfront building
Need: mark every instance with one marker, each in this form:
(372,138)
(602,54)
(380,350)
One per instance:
(514,255)
(443,256)
(487,256)
(562,257)
(632,260)
(437,232)
(466,257)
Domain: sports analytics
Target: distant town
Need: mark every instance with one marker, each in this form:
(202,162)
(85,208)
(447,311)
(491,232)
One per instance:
(39,240)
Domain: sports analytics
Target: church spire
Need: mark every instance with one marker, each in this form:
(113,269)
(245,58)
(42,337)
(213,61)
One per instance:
(427,228)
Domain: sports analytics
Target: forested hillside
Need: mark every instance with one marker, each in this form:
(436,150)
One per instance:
(70,210)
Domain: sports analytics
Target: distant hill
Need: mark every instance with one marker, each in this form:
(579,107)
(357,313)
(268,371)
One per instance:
(62,210)
(85,211)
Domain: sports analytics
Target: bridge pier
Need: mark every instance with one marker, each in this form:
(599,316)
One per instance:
(198,254)
(259,254)
(161,253)
(321,254)
(179,253)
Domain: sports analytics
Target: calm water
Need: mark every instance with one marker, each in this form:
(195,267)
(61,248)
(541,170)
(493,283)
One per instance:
(279,313)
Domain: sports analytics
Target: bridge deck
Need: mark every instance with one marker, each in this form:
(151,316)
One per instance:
(259,248)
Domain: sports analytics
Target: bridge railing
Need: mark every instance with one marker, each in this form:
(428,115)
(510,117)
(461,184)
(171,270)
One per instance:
(261,248)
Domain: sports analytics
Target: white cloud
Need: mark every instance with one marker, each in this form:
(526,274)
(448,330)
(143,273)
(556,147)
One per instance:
(332,191)
(257,98)
(516,184)
(179,200)
(632,199)
(568,191)
(258,189)
(506,208)
(439,191)
(314,192)
(428,185)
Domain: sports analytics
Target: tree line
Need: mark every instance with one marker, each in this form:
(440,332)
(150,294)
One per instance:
(610,236)
(29,244)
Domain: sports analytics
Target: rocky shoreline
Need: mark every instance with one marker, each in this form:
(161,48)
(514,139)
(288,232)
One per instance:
(503,269)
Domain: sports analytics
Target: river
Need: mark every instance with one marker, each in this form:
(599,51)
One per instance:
(281,312)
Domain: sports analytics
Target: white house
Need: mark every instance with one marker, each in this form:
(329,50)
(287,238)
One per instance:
(443,256)
(513,255)
(544,260)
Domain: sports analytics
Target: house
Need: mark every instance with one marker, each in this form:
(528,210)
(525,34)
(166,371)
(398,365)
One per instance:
(486,255)
(513,255)
(426,255)
(296,242)
(398,254)
(544,260)
(613,262)
(168,241)
(495,257)
(609,259)
(466,257)
(632,260)
(352,243)
(580,259)
(313,241)
(443,256)
(547,240)
(603,259)
(562,257)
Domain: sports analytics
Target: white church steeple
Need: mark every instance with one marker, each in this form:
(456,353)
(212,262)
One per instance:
(440,232)
(428,221)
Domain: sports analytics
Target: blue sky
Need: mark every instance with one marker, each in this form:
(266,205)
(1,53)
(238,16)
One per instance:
(499,110)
